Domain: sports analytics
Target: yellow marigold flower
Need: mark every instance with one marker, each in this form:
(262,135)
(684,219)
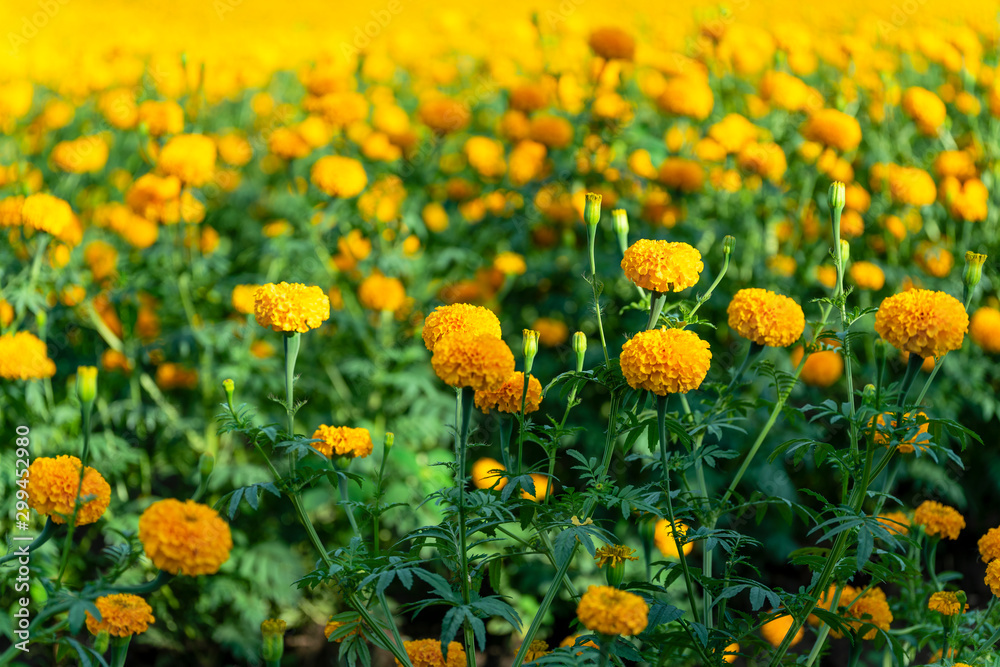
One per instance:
(118,106)
(185,537)
(174,376)
(6,313)
(925,323)
(968,200)
(765,159)
(444,115)
(122,615)
(427,653)
(872,608)
(687,96)
(662,266)
(766,318)
(435,217)
(541,483)
(682,174)
(925,108)
(992,578)
(610,611)
(989,545)
(243,298)
(343,441)
(938,519)
(733,132)
(507,397)
(826,276)
(527,161)
(612,43)
(291,307)
(52,489)
(161,117)
(934,259)
(551,131)
(510,263)
(834,129)
(464,317)
(484,475)
(551,332)
(80,156)
(234,149)
(378,292)
(339,176)
(822,368)
(333,626)
(23,356)
(665,361)
(472,359)
(45,213)
(775,630)
(883,435)
(571,642)
(663,538)
(189,157)
(946,603)
(287,144)
(486,156)
(960,164)
(897,522)
(867,275)
(536,650)
(910,185)
(614,555)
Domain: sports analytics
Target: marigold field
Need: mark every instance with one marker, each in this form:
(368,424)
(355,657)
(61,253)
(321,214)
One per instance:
(431,335)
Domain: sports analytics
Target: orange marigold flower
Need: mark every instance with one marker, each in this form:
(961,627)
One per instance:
(665,361)
(662,266)
(992,578)
(687,96)
(611,611)
(663,538)
(822,368)
(427,653)
(243,298)
(378,292)
(445,115)
(872,608)
(867,275)
(833,128)
(510,264)
(339,176)
(80,156)
(472,359)
(457,317)
(541,483)
(507,397)
(189,157)
(551,131)
(910,185)
(23,356)
(946,603)
(291,307)
(536,650)
(52,489)
(989,545)
(897,523)
(938,519)
(551,332)
(175,376)
(343,441)
(333,626)
(682,174)
(612,43)
(122,615)
(775,630)
(766,318)
(960,164)
(484,475)
(925,108)
(185,537)
(45,213)
(922,322)
(826,601)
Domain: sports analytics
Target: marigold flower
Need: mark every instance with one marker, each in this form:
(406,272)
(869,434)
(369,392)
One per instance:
(662,266)
(775,631)
(992,578)
(897,523)
(687,96)
(536,650)
(867,275)
(766,318)
(185,537)
(339,176)
(922,322)
(614,555)
(472,359)
(989,545)
(510,263)
(822,368)
(122,615)
(52,490)
(925,108)
(427,653)
(612,43)
(243,298)
(444,115)
(189,157)
(663,538)
(872,608)
(80,156)
(682,174)
(938,519)
(541,483)
(946,603)
(915,423)
(551,332)
(484,475)
(175,376)
(333,626)
(571,642)
(551,131)
(833,128)
(45,213)
(161,117)
(291,307)
(965,201)
(343,441)
(665,361)
(611,611)
(378,292)
(23,356)
(457,317)
(507,397)
(910,185)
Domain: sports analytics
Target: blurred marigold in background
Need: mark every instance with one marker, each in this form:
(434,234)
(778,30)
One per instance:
(822,368)
(922,322)
(610,611)
(382,293)
(665,361)
(472,359)
(989,545)
(175,376)
(766,318)
(80,156)
(689,96)
(355,443)
(662,266)
(663,538)
(541,483)
(507,397)
(612,43)
(122,615)
(834,129)
(939,520)
(925,108)
(427,653)
(510,263)
(52,489)
(915,423)
(23,356)
(45,213)
(897,523)
(483,476)
(189,157)
(459,317)
(184,537)
(291,307)
(339,176)
(551,332)
(775,630)
(444,115)
(243,298)
(867,275)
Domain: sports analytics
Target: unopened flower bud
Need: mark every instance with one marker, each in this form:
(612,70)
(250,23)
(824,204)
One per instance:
(101,641)
(273,631)
(580,348)
(206,464)
(728,244)
(230,387)
(973,269)
(592,209)
(838,196)
(845,251)
(530,348)
(868,395)
(389,441)
(619,219)
(86,383)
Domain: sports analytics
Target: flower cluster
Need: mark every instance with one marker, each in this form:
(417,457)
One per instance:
(343,441)
(427,653)
(24,357)
(479,361)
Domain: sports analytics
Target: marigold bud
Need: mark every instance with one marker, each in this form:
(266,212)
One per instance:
(101,641)
(273,631)
(973,269)
(530,348)
(838,196)
(592,209)
(845,251)
(389,441)
(86,383)
(728,244)
(868,395)
(206,464)
(230,387)
(580,348)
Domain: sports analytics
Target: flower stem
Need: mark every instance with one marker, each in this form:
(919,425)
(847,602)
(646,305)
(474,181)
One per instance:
(656,301)
(292,343)
(465,396)
(591,233)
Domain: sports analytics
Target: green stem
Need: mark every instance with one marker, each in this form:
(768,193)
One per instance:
(465,397)
(825,630)
(292,343)
(345,500)
(591,234)
(522,418)
(718,279)
(85,413)
(119,650)
(543,608)
(47,532)
(656,301)
(155,584)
